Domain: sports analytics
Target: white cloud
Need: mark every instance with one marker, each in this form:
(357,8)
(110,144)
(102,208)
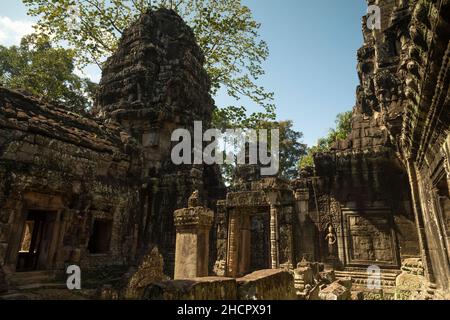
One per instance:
(11,31)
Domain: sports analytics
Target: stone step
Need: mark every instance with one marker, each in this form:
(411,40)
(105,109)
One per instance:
(34,286)
(13,296)
(29,278)
(360,277)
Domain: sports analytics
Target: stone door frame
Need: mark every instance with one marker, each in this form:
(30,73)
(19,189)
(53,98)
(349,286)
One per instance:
(38,202)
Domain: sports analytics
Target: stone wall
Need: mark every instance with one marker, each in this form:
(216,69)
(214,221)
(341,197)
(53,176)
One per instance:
(260,285)
(391,173)
(112,172)
(74,168)
(206,288)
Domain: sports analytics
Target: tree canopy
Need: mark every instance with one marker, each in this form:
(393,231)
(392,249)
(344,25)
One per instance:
(42,70)
(343,128)
(225,30)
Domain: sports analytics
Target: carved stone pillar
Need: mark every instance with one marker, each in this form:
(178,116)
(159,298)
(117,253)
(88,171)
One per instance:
(233,235)
(192,242)
(418,214)
(274,236)
(305,237)
(221,226)
(286,238)
(446,156)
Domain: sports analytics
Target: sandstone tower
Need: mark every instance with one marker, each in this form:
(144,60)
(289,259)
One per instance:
(153,84)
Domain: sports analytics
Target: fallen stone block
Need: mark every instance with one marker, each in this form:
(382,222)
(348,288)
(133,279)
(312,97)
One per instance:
(272,284)
(357,295)
(346,282)
(335,291)
(206,288)
(327,276)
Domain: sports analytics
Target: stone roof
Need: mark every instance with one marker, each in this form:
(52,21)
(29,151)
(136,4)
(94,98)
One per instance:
(28,114)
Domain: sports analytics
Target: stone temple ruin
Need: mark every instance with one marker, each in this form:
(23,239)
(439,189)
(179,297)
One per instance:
(370,220)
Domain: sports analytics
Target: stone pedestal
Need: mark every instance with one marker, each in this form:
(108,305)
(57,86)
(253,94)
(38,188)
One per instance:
(192,243)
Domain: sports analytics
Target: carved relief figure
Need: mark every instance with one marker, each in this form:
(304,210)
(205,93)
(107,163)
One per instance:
(331,239)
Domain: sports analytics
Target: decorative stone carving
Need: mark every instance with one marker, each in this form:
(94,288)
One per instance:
(411,282)
(335,291)
(150,271)
(331,240)
(192,241)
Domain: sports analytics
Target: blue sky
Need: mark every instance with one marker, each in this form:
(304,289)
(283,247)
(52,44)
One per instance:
(312,63)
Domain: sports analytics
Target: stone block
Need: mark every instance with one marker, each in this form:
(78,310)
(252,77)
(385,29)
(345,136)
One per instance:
(206,288)
(271,284)
(357,295)
(149,272)
(305,275)
(335,291)
(327,276)
(407,284)
(192,240)
(346,282)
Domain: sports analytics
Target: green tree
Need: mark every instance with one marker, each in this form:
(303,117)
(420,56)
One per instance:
(343,128)
(45,71)
(225,30)
(292,149)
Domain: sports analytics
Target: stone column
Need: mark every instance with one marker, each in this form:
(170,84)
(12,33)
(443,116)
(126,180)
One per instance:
(418,215)
(192,242)
(233,235)
(274,235)
(286,238)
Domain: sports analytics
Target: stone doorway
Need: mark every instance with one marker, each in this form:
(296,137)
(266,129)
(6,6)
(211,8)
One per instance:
(260,242)
(36,241)
(253,243)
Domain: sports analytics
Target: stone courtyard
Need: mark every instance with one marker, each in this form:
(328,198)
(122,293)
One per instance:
(371,220)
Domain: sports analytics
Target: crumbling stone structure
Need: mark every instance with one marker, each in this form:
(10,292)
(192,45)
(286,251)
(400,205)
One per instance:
(255,224)
(379,199)
(155,83)
(67,186)
(101,191)
(385,189)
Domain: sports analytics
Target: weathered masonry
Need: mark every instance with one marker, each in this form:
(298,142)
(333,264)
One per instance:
(101,190)
(379,199)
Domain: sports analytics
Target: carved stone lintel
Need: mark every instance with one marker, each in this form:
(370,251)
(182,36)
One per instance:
(193,217)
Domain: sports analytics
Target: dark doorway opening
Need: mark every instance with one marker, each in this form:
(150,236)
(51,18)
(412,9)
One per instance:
(36,237)
(99,242)
(260,242)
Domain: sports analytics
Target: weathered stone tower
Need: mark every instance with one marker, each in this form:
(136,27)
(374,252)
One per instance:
(155,83)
